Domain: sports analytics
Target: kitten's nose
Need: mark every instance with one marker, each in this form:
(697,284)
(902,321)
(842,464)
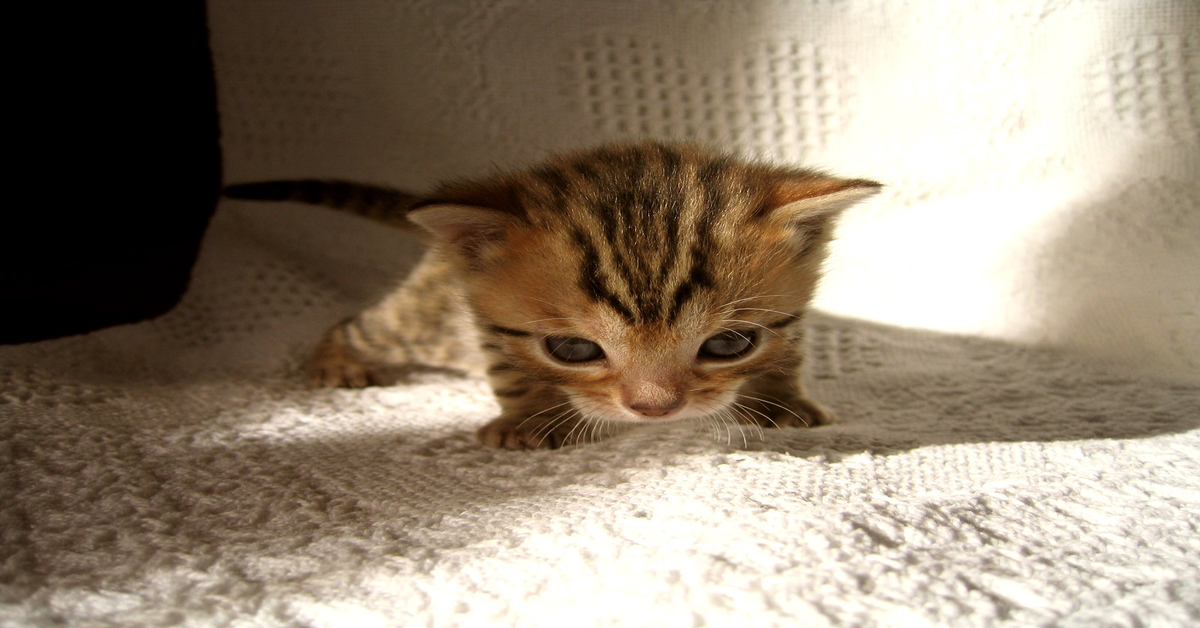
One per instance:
(656,411)
(652,399)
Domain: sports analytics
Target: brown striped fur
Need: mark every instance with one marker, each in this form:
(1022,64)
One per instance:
(647,250)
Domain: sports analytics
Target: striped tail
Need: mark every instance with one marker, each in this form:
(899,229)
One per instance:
(377,203)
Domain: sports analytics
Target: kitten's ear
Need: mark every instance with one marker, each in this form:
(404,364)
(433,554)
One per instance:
(468,228)
(816,198)
(805,204)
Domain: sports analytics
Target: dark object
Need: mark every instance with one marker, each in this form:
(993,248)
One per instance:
(116,165)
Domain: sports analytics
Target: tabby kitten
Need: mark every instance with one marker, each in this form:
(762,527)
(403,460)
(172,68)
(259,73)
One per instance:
(630,283)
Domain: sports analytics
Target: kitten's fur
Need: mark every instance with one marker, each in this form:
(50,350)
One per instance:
(689,271)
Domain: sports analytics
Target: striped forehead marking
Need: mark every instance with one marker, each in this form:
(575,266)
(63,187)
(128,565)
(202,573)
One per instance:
(635,243)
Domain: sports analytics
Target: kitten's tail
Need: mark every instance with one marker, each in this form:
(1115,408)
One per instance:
(378,203)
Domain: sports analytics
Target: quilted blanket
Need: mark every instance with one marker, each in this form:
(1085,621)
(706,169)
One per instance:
(1009,339)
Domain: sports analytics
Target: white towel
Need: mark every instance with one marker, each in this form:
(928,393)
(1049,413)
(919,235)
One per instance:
(176,471)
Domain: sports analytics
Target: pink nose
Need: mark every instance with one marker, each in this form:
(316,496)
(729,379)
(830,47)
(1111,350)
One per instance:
(656,411)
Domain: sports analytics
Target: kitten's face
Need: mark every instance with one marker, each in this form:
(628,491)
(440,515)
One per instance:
(666,364)
(643,282)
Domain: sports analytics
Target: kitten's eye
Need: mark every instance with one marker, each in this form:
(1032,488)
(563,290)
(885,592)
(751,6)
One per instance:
(728,344)
(568,349)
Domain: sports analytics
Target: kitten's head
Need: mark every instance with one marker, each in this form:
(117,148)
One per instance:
(644,281)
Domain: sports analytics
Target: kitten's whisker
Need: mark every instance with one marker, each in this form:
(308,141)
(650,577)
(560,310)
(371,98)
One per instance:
(581,425)
(590,430)
(717,421)
(761,296)
(713,430)
(602,430)
(714,419)
(710,425)
(735,331)
(544,430)
(542,320)
(753,423)
(580,419)
(586,419)
(706,421)
(759,309)
(722,418)
(738,320)
(775,401)
(764,415)
(778,405)
(530,417)
(739,333)
(574,416)
(733,422)
(541,430)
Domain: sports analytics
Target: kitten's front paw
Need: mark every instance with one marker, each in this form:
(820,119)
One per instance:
(794,412)
(340,376)
(536,432)
(341,370)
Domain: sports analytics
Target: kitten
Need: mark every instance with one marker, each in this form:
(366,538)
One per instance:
(630,283)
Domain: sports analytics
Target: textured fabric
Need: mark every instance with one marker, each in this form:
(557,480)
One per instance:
(1041,161)
(177,471)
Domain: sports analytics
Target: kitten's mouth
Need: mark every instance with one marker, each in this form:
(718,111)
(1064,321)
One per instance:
(720,407)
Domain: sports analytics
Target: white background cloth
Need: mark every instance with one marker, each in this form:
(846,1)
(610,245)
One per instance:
(1042,158)
(1041,162)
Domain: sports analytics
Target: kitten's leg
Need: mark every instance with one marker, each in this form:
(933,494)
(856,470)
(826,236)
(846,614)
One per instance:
(355,353)
(777,399)
(532,417)
(423,322)
(336,361)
